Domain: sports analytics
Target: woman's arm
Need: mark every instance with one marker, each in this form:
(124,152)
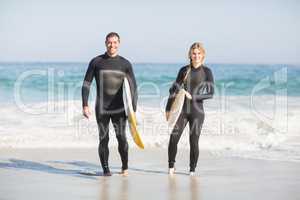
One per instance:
(175,87)
(209,83)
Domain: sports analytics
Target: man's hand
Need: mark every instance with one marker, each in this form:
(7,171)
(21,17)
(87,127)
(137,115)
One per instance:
(167,115)
(86,112)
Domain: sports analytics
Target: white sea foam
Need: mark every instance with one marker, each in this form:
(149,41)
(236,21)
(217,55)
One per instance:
(238,128)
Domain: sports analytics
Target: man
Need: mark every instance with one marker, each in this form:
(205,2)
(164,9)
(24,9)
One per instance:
(109,71)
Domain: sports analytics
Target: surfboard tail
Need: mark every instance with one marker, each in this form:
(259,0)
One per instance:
(131,114)
(134,132)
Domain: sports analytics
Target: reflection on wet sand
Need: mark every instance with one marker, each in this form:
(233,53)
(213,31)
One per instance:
(172,188)
(124,189)
(177,188)
(104,188)
(176,192)
(194,188)
(111,192)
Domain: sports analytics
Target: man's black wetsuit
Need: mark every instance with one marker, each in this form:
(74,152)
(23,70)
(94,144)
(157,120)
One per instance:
(109,73)
(192,110)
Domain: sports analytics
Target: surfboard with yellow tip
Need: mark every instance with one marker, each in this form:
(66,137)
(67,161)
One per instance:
(127,99)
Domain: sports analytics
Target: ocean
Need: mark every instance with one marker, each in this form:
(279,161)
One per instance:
(254,113)
(232,79)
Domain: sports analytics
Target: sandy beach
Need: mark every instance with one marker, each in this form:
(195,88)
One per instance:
(56,174)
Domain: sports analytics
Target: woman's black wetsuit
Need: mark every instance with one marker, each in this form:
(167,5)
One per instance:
(192,110)
(109,73)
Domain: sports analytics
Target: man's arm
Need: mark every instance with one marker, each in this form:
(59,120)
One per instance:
(133,86)
(85,90)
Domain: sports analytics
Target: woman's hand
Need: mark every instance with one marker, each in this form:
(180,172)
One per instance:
(188,95)
(167,115)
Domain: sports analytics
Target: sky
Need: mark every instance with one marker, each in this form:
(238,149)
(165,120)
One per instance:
(232,31)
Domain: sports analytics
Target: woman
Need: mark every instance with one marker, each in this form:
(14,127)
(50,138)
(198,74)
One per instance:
(198,82)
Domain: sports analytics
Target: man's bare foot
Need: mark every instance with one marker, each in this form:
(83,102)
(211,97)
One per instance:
(107,174)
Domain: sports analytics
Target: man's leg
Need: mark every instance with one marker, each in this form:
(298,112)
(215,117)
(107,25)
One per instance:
(119,123)
(103,151)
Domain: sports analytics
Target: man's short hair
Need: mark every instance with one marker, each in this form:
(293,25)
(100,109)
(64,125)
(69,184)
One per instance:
(112,34)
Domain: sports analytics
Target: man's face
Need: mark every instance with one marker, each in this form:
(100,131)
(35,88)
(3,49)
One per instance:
(112,45)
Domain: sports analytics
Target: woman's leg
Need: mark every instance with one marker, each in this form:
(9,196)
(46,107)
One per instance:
(196,119)
(174,138)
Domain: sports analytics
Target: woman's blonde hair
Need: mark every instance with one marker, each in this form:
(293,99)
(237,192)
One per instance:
(197,45)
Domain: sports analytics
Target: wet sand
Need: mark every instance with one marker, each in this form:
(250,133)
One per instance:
(57,174)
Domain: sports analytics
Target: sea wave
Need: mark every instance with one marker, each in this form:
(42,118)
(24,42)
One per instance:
(235,130)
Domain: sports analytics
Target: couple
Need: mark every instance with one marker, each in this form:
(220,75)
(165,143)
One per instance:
(109,71)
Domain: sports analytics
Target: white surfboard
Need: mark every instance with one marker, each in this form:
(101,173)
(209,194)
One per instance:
(176,108)
(131,114)
(177,104)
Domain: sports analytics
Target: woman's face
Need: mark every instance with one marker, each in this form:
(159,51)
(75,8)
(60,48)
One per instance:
(196,56)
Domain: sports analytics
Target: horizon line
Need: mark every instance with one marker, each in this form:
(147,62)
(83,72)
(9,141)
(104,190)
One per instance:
(153,62)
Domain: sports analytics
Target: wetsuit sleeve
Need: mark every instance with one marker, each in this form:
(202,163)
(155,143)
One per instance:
(133,86)
(210,84)
(88,78)
(174,89)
